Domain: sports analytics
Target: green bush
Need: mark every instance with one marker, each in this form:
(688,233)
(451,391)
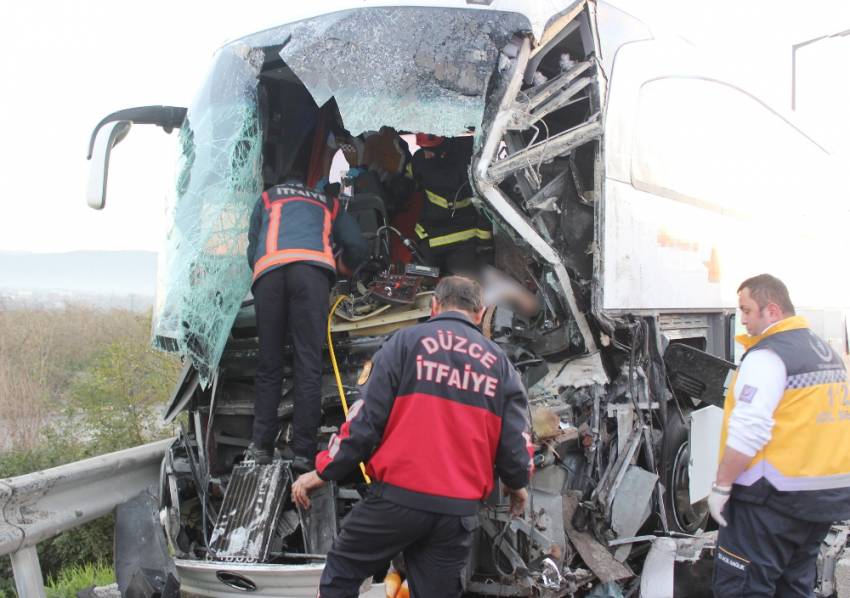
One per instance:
(41,351)
(116,397)
(89,543)
(55,449)
(71,580)
(112,388)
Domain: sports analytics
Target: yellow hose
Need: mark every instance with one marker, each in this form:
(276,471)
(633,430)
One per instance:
(338,377)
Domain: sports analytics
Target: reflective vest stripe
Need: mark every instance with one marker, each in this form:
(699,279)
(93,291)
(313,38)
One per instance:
(458,237)
(763,469)
(326,238)
(442,202)
(274,228)
(275,256)
(287,256)
(812,378)
(304,199)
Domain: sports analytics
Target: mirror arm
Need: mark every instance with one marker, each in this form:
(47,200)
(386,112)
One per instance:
(167,117)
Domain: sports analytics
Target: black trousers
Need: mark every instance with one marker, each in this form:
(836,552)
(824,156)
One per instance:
(294,299)
(762,552)
(457,258)
(435,547)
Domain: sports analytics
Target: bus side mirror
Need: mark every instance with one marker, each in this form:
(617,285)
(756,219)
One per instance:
(108,135)
(112,129)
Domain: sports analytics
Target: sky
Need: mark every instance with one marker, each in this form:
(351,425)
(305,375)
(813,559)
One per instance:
(65,65)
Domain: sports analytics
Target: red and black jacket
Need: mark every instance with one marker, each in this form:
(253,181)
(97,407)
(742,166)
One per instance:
(290,224)
(442,406)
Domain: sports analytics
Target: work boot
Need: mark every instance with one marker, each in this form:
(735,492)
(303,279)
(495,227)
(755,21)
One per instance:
(258,455)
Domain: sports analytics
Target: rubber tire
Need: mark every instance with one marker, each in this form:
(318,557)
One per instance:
(681,516)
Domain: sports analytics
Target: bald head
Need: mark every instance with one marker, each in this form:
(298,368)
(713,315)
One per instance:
(458,293)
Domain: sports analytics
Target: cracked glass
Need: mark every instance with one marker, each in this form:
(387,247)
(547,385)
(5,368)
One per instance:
(414,69)
(204,275)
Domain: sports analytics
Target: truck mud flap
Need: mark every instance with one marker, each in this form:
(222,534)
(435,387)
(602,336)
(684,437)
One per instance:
(697,374)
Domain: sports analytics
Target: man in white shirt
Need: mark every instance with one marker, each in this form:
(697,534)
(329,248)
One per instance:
(784,472)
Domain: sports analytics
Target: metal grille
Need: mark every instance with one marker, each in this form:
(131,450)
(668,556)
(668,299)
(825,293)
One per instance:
(247,518)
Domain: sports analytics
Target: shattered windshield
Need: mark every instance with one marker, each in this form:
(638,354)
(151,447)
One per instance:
(414,69)
(418,69)
(205,276)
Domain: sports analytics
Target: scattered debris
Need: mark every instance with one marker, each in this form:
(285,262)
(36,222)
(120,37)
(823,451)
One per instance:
(110,591)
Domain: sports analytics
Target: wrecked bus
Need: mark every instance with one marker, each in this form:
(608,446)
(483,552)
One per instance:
(629,187)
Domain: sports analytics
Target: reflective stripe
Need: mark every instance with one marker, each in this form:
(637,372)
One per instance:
(336,439)
(287,256)
(763,469)
(439,200)
(730,553)
(420,232)
(274,229)
(813,378)
(326,236)
(459,237)
(304,199)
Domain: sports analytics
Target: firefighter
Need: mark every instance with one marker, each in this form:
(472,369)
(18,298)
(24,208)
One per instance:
(452,234)
(290,250)
(441,406)
(784,473)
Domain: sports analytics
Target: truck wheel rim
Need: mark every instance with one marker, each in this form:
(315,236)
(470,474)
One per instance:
(689,517)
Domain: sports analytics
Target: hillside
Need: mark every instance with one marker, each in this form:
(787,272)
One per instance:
(83,272)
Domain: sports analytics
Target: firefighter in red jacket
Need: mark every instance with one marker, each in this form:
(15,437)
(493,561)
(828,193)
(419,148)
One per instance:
(442,406)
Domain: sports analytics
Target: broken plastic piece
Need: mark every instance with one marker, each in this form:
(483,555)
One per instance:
(657,578)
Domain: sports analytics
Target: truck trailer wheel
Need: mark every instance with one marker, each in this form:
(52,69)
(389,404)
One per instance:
(682,516)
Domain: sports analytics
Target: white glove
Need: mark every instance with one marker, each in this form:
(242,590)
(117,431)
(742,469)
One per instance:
(717,500)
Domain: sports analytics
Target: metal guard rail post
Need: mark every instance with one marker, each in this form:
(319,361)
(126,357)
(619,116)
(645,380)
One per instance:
(40,505)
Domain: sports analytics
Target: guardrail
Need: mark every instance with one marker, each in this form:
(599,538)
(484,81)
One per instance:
(40,505)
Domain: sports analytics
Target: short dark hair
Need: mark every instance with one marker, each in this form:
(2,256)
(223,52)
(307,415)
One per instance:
(459,292)
(765,289)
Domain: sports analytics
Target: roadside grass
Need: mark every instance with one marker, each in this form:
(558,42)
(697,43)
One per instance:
(76,383)
(41,353)
(74,578)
